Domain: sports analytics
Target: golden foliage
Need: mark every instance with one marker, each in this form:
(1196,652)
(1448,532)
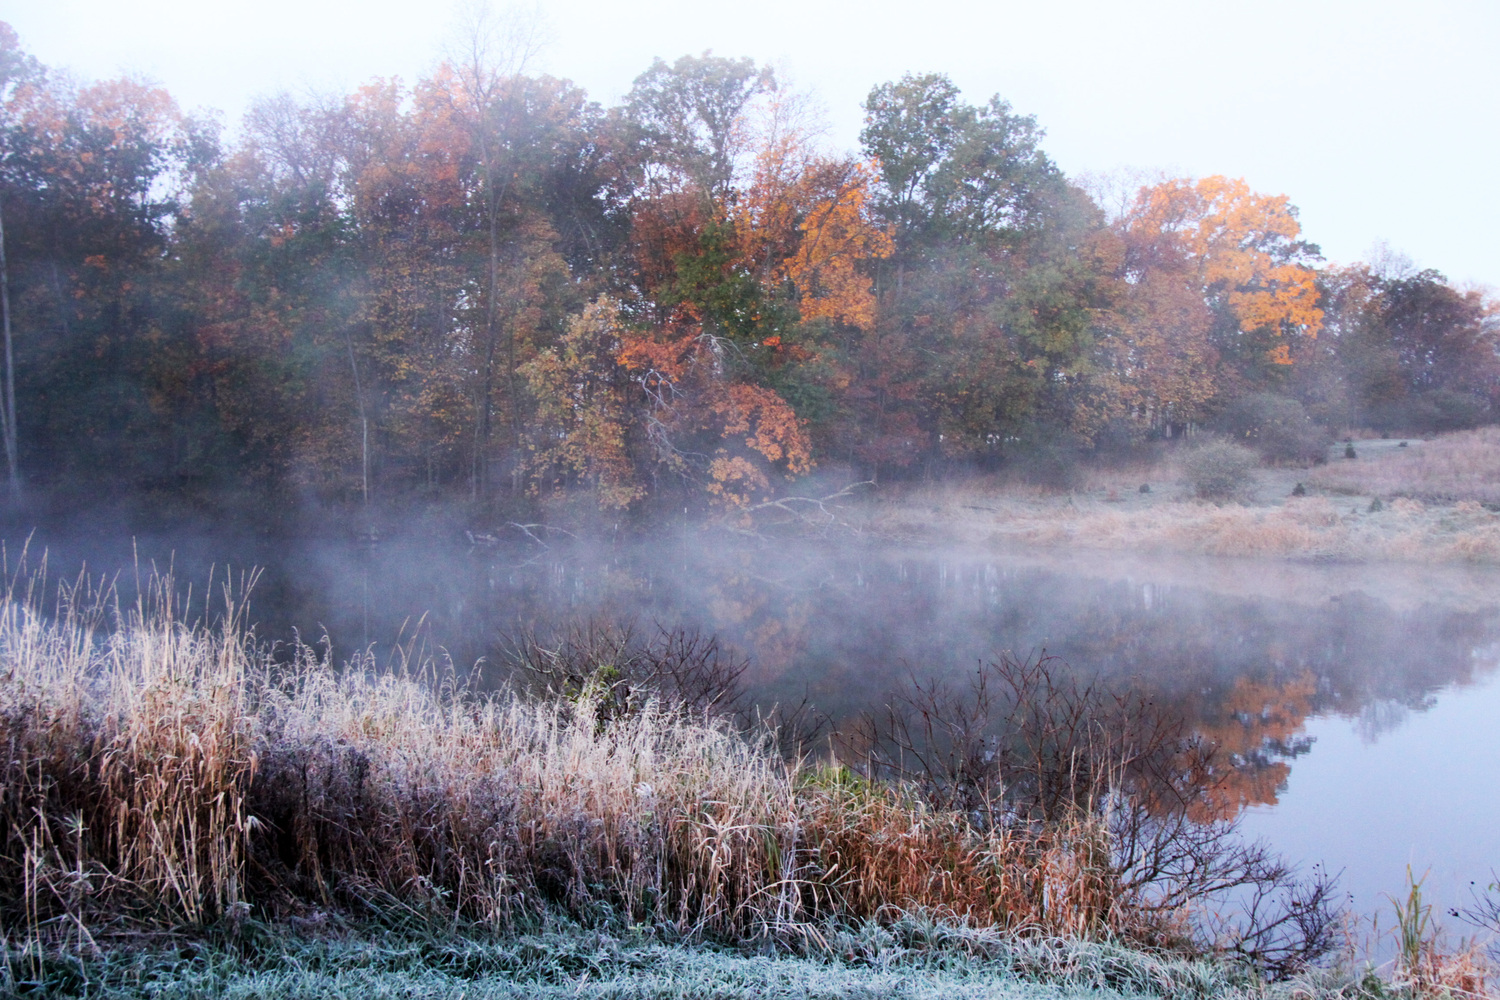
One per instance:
(1239,245)
(807,220)
(837,235)
(773,430)
(581,420)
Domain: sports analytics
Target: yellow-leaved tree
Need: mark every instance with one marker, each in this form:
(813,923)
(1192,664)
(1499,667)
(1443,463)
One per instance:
(1243,249)
(582,416)
(1215,285)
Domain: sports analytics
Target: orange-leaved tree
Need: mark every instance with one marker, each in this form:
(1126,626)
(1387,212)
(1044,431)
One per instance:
(728,436)
(1216,284)
(750,269)
(808,233)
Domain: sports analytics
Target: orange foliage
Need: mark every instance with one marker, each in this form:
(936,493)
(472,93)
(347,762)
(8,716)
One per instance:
(1190,247)
(682,377)
(772,427)
(664,229)
(406,164)
(1239,244)
(837,234)
(806,219)
(657,362)
(98,143)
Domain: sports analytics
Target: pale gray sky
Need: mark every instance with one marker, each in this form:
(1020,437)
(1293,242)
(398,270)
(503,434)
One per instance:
(1378,119)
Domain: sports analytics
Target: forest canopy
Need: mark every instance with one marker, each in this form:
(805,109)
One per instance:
(486,287)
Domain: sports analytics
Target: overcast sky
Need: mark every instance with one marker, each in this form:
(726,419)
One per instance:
(1378,119)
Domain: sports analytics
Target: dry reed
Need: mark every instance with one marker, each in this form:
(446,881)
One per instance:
(161,773)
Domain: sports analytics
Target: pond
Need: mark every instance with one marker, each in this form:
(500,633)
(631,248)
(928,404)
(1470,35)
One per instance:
(1359,702)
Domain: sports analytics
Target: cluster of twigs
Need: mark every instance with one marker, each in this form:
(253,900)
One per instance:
(619,669)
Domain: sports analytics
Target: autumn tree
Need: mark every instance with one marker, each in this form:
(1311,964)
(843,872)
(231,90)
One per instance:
(492,100)
(686,122)
(485,284)
(988,297)
(731,242)
(1227,270)
(725,437)
(1406,350)
(92,180)
(583,420)
(257,371)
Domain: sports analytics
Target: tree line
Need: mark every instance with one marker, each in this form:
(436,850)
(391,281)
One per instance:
(487,287)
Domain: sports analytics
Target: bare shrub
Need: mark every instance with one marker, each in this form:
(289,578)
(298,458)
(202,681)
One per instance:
(620,669)
(1029,747)
(1484,911)
(1218,469)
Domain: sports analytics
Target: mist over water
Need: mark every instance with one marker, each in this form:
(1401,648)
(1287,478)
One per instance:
(1356,702)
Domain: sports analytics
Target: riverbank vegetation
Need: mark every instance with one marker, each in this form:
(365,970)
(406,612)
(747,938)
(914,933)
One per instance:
(1459,468)
(188,813)
(487,296)
(485,291)
(173,779)
(910,957)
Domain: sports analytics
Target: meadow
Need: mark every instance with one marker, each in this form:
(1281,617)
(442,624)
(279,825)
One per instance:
(1434,501)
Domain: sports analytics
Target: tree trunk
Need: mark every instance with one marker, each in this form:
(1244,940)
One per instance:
(8,412)
(364,426)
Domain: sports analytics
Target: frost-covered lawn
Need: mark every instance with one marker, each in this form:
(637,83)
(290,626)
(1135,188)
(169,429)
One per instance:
(920,963)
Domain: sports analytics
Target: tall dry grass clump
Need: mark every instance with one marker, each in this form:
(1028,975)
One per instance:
(129,756)
(377,787)
(161,773)
(894,854)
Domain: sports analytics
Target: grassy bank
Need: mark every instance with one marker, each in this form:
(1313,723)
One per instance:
(1451,468)
(908,958)
(1429,502)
